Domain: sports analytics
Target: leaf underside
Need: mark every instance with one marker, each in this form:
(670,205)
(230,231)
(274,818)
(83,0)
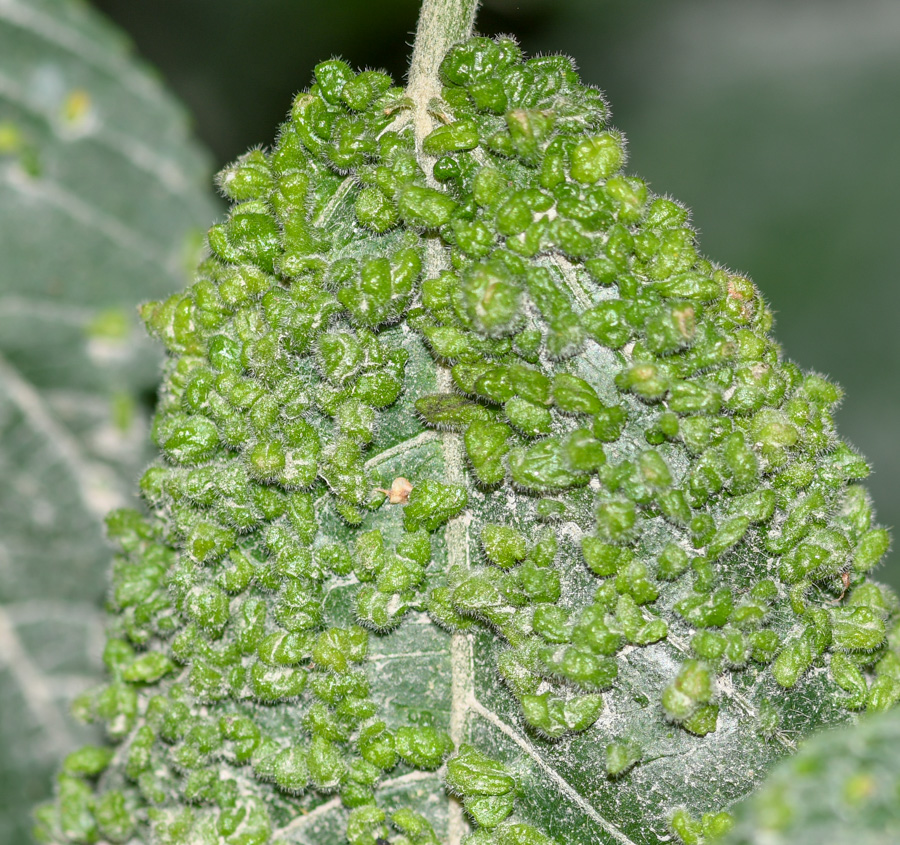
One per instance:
(84,130)
(486,507)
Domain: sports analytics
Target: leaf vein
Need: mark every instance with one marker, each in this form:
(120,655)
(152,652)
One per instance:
(97,493)
(402,448)
(35,689)
(587,808)
(89,217)
(297,824)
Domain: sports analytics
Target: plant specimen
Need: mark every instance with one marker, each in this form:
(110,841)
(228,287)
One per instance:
(486,507)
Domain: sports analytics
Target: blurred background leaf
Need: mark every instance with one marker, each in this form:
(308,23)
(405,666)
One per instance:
(101,187)
(775,122)
(841,788)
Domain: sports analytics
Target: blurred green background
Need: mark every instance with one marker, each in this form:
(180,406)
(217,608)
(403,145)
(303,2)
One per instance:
(777,123)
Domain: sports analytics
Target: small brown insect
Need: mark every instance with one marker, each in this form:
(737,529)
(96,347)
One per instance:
(399,492)
(845,580)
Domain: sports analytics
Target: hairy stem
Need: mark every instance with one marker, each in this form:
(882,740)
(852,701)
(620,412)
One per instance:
(442,23)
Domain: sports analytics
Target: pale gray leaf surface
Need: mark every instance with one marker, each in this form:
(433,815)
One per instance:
(100,188)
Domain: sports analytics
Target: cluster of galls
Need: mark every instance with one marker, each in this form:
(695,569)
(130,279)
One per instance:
(607,380)
(704,442)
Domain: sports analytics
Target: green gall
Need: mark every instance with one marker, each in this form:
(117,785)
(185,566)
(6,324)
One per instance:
(702,529)
(609,423)
(475,59)
(551,623)
(872,546)
(88,761)
(857,628)
(653,469)
(687,828)
(290,769)
(575,395)
(490,299)
(693,398)
(616,520)
(847,675)
(634,580)
(604,559)
(708,645)
(554,717)
(607,324)
(332,77)
(727,536)
(596,158)
(326,766)
(486,446)
(188,439)
(672,562)
(248,178)
(488,811)
(422,747)
(527,417)
(148,668)
(764,645)
(472,773)
(544,467)
(454,137)
(622,756)
(883,694)
(648,381)
(688,700)
(527,128)
(503,546)
(705,610)
(432,503)
(583,451)
(425,207)
(583,668)
(530,384)
(375,210)
(792,662)
(113,816)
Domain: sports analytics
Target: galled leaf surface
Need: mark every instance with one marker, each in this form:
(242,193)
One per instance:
(99,189)
(486,506)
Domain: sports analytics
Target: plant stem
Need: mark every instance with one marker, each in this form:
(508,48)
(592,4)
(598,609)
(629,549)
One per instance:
(442,23)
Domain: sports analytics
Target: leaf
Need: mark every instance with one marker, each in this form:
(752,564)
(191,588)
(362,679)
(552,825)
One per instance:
(99,189)
(840,788)
(608,601)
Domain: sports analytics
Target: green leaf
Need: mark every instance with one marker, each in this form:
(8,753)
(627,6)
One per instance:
(840,788)
(563,617)
(100,188)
